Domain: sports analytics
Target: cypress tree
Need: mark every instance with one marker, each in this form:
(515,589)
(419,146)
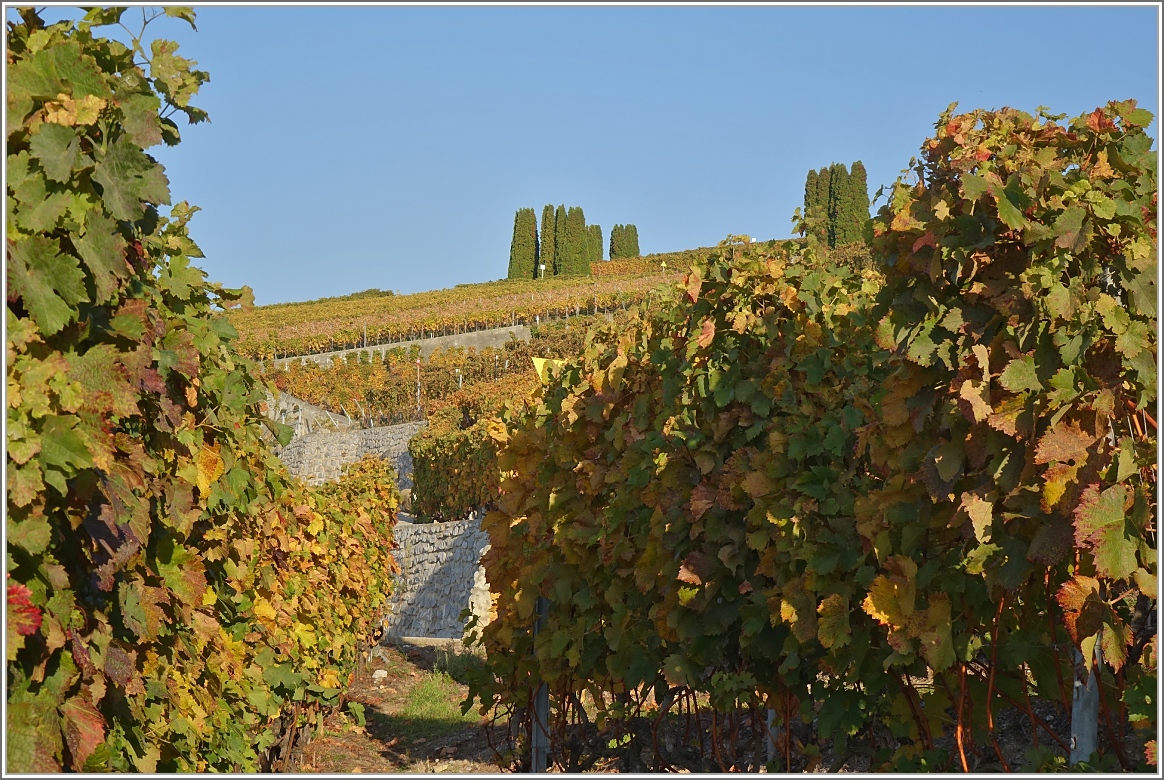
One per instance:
(561,249)
(810,201)
(594,242)
(575,261)
(821,202)
(523,250)
(632,241)
(548,255)
(615,242)
(859,197)
(838,204)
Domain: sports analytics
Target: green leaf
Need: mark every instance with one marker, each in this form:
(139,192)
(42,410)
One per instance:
(1070,229)
(1008,212)
(128,177)
(102,249)
(41,205)
(974,187)
(31,535)
(1127,459)
(61,68)
(1140,117)
(833,624)
(186,13)
(62,451)
(1020,374)
(1101,525)
(57,148)
(182,571)
(99,17)
(49,283)
(140,120)
(1134,340)
(282,675)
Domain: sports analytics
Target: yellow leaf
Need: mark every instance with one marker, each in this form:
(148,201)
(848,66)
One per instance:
(263,608)
(209,598)
(891,598)
(981,514)
(210,468)
(755,484)
(979,406)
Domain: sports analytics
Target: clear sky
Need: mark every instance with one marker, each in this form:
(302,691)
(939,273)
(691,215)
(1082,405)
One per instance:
(385,146)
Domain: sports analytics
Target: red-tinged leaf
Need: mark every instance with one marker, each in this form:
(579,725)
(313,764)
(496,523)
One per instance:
(1075,591)
(702,499)
(1064,442)
(1078,597)
(24,618)
(696,568)
(120,665)
(926,240)
(1072,230)
(707,333)
(1097,122)
(1150,752)
(84,730)
(1101,525)
(693,284)
(1114,642)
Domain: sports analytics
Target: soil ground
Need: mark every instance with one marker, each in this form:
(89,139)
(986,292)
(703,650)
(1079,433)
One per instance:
(413,724)
(413,721)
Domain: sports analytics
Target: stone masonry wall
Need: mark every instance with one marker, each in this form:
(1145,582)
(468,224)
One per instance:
(478,339)
(320,457)
(441,575)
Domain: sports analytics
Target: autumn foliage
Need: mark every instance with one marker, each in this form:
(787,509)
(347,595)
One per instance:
(802,488)
(175,601)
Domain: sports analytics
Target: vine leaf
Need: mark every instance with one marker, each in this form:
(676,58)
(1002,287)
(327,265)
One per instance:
(102,249)
(50,284)
(1064,442)
(128,177)
(58,149)
(833,622)
(1101,524)
(84,730)
(1020,375)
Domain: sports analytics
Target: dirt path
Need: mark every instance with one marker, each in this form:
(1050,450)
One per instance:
(413,721)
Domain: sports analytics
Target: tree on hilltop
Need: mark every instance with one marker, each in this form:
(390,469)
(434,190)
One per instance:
(560,241)
(548,255)
(523,250)
(594,242)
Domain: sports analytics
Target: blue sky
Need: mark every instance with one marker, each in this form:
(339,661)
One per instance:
(380,146)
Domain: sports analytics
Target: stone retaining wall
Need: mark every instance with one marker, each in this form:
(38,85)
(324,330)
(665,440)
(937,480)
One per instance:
(304,418)
(441,574)
(478,339)
(320,457)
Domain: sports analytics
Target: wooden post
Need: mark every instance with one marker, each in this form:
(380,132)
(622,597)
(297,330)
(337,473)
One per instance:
(540,739)
(1084,709)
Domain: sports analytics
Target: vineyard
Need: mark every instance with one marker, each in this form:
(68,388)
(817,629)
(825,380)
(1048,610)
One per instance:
(383,390)
(290,329)
(773,508)
(805,508)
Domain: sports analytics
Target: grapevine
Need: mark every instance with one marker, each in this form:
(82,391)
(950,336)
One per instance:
(175,601)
